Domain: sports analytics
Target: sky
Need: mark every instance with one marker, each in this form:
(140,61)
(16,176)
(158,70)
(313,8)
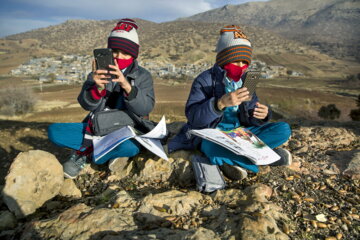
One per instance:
(23,15)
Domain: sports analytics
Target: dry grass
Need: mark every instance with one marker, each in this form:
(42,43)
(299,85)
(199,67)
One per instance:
(295,97)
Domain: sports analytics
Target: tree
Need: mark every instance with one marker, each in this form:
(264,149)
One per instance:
(329,112)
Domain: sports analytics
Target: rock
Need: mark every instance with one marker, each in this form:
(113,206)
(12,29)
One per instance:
(353,169)
(182,174)
(229,196)
(260,227)
(296,166)
(121,167)
(124,200)
(7,220)
(259,192)
(182,154)
(321,218)
(254,217)
(69,189)
(51,205)
(175,170)
(160,233)
(203,233)
(80,222)
(34,177)
(172,202)
(258,220)
(152,170)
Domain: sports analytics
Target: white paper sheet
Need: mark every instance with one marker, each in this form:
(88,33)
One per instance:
(150,140)
(242,142)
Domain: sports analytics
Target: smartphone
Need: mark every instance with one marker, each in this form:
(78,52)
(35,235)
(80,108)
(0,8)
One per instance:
(104,57)
(251,80)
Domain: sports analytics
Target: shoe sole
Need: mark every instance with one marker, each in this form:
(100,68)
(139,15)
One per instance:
(231,171)
(289,157)
(68,176)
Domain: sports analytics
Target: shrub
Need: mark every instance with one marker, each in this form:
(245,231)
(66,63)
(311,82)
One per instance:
(355,113)
(329,112)
(17,100)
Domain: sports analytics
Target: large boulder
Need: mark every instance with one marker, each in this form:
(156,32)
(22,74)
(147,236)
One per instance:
(80,222)
(34,177)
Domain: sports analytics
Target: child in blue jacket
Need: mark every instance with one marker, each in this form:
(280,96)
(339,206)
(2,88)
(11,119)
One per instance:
(218,100)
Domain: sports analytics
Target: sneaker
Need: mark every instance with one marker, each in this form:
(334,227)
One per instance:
(233,172)
(74,165)
(286,158)
(113,163)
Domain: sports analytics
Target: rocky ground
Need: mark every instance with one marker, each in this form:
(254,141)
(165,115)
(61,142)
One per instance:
(317,197)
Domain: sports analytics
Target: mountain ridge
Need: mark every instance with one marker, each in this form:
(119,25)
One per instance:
(331,26)
(178,42)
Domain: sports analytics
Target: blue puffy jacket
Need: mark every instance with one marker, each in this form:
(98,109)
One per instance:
(200,109)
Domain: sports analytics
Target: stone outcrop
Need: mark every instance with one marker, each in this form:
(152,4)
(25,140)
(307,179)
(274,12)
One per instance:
(145,197)
(236,214)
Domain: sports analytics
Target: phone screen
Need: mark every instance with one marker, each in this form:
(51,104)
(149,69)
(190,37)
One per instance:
(104,57)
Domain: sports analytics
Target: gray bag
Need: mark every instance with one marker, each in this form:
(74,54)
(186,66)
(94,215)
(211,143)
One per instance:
(208,177)
(109,120)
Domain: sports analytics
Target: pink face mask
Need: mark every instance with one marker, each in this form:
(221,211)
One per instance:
(235,72)
(124,63)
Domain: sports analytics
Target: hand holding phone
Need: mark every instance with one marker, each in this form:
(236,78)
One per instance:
(251,80)
(103,58)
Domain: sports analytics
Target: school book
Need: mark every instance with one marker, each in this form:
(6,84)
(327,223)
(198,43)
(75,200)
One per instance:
(241,141)
(151,140)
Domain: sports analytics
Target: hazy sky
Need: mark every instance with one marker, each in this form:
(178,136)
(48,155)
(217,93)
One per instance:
(23,15)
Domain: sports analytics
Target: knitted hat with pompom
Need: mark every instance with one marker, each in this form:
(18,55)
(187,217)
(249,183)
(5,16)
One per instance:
(233,45)
(125,37)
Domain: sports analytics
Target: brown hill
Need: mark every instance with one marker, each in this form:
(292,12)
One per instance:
(176,42)
(329,25)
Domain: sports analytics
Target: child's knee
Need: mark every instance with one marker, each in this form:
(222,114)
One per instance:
(285,129)
(52,132)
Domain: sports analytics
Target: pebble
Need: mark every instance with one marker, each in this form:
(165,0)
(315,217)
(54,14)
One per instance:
(290,178)
(321,218)
(346,221)
(339,236)
(311,200)
(321,225)
(330,238)
(334,208)
(323,187)
(345,227)
(286,229)
(314,224)
(327,205)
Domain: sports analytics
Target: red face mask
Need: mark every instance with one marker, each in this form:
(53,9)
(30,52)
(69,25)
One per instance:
(235,72)
(124,63)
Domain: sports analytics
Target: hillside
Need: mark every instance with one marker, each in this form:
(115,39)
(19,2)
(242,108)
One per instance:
(177,42)
(331,26)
